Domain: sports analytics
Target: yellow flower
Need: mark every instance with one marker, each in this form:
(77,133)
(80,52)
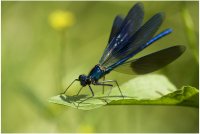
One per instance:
(86,128)
(61,20)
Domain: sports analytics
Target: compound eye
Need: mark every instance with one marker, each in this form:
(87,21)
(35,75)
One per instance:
(81,77)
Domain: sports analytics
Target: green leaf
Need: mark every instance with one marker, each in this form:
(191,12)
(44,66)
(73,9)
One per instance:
(142,90)
(187,96)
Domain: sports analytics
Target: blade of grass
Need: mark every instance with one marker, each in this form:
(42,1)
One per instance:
(190,31)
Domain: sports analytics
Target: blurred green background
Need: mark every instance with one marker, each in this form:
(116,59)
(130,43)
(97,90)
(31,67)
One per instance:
(32,70)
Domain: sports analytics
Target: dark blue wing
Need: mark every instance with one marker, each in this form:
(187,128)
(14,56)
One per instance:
(151,62)
(117,24)
(135,43)
(116,27)
(140,48)
(123,31)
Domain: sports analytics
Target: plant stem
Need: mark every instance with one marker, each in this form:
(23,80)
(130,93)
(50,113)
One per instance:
(61,58)
(190,30)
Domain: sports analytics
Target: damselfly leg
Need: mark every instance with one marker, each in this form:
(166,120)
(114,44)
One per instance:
(79,91)
(88,97)
(102,83)
(91,90)
(69,86)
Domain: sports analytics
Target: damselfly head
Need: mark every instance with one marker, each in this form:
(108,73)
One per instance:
(83,80)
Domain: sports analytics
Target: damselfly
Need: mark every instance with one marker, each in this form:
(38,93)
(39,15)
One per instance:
(128,37)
